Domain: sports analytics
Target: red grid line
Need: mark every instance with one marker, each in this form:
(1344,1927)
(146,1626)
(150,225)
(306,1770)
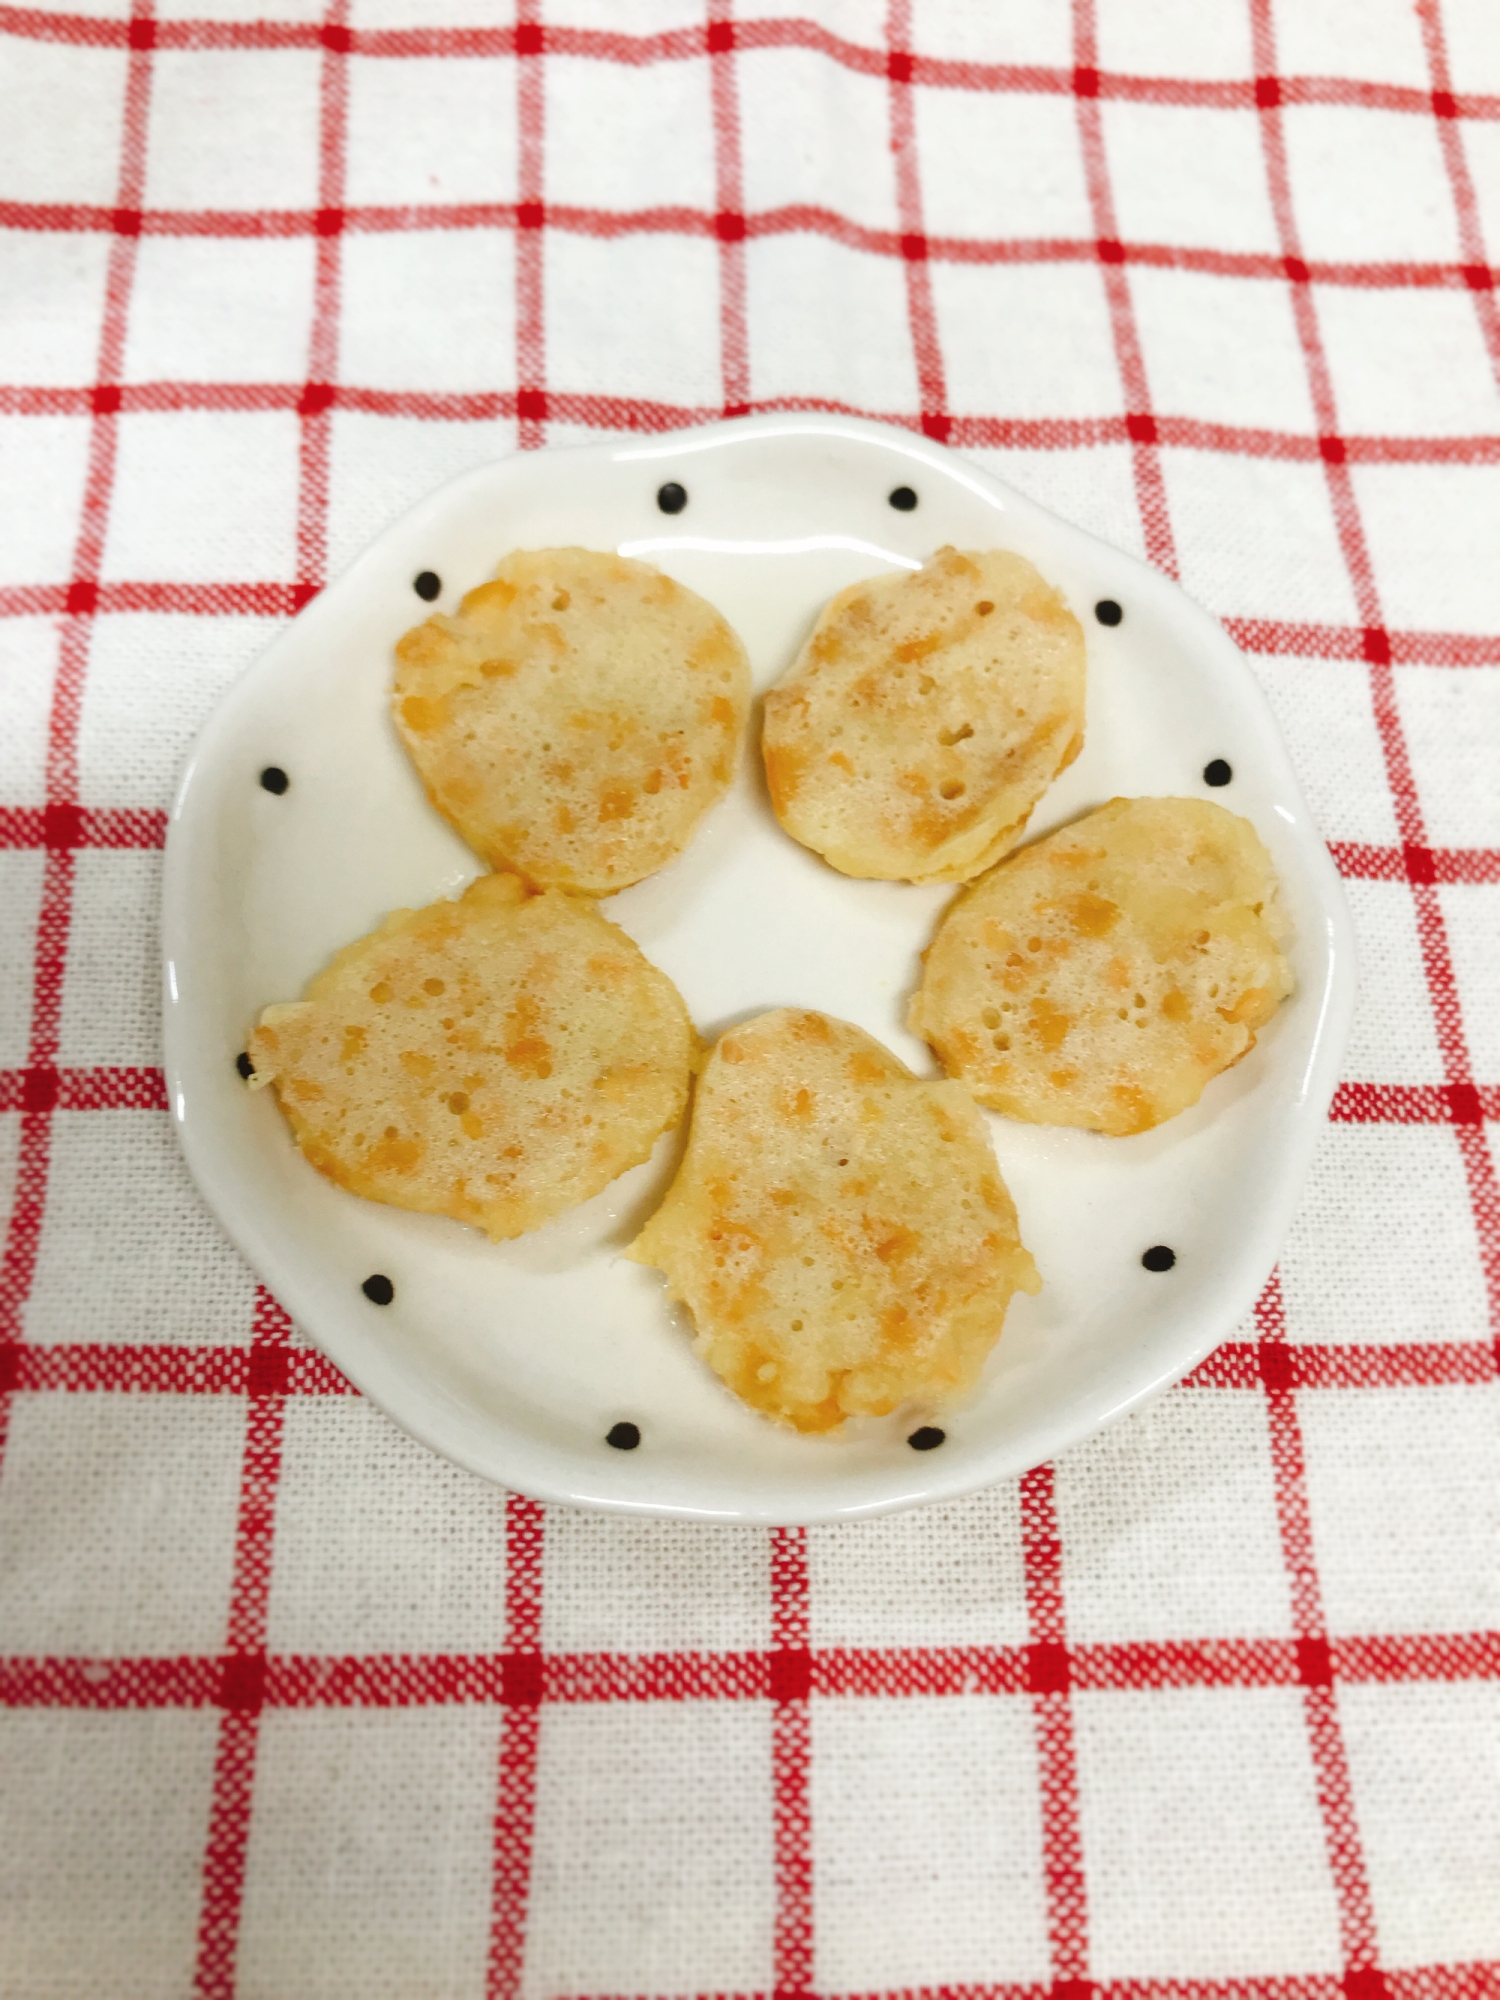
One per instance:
(1466,206)
(1264,636)
(1048,1681)
(729,224)
(270,1356)
(772,32)
(1414,1104)
(1479,1980)
(242,1677)
(167,1368)
(1242,1364)
(1359,861)
(1330,1761)
(531,352)
(789,1684)
(515,1805)
(43,1089)
(185,600)
(1359,642)
(23,1232)
(520,1689)
(315,401)
(1355,1905)
(636,414)
(62,828)
(1442,985)
(921,309)
(1140,422)
(872,1673)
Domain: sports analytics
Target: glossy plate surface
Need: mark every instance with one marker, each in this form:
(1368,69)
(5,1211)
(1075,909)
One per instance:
(516,1360)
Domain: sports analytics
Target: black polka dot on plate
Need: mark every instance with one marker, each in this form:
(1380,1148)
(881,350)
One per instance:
(427,583)
(928,1438)
(1217,773)
(903,499)
(1159,1258)
(624,1437)
(244,1065)
(274,779)
(1108,612)
(378,1290)
(671,498)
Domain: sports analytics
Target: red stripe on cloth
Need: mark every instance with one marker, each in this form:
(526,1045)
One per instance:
(65,827)
(1150,488)
(725,222)
(45,24)
(109,1684)
(521,1692)
(1032,433)
(1244,1364)
(728,223)
(1442,985)
(585,1678)
(1476,1981)
(893,1673)
(1048,1681)
(531,37)
(148,1368)
(1477,865)
(278,600)
(531,114)
(242,1668)
(1330,1761)
(1187,1663)
(145,1368)
(1465,203)
(23,1232)
(1352,642)
(888,1671)
(921,310)
(316,398)
(152,1368)
(600,45)
(187,600)
(44,1088)
(1419,1656)
(1414,1104)
(790,1687)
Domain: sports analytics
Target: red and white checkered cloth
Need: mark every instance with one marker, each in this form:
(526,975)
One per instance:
(292,1708)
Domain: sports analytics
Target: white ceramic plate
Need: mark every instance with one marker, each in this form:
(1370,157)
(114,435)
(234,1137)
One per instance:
(517,1359)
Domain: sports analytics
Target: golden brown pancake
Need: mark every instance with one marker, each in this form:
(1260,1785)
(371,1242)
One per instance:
(1103,975)
(575,718)
(925,717)
(838,1229)
(498,1059)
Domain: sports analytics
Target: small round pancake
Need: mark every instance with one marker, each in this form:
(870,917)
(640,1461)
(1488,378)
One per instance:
(839,1230)
(1103,975)
(498,1059)
(925,717)
(576,718)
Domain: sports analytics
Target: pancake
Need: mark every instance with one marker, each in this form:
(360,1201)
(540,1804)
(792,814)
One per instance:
(925,717)
(498,1059)
(575,718)
(838,1229)
(1102,976)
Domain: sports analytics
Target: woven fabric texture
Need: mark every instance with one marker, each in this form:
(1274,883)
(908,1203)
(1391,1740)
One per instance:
(291,1708)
